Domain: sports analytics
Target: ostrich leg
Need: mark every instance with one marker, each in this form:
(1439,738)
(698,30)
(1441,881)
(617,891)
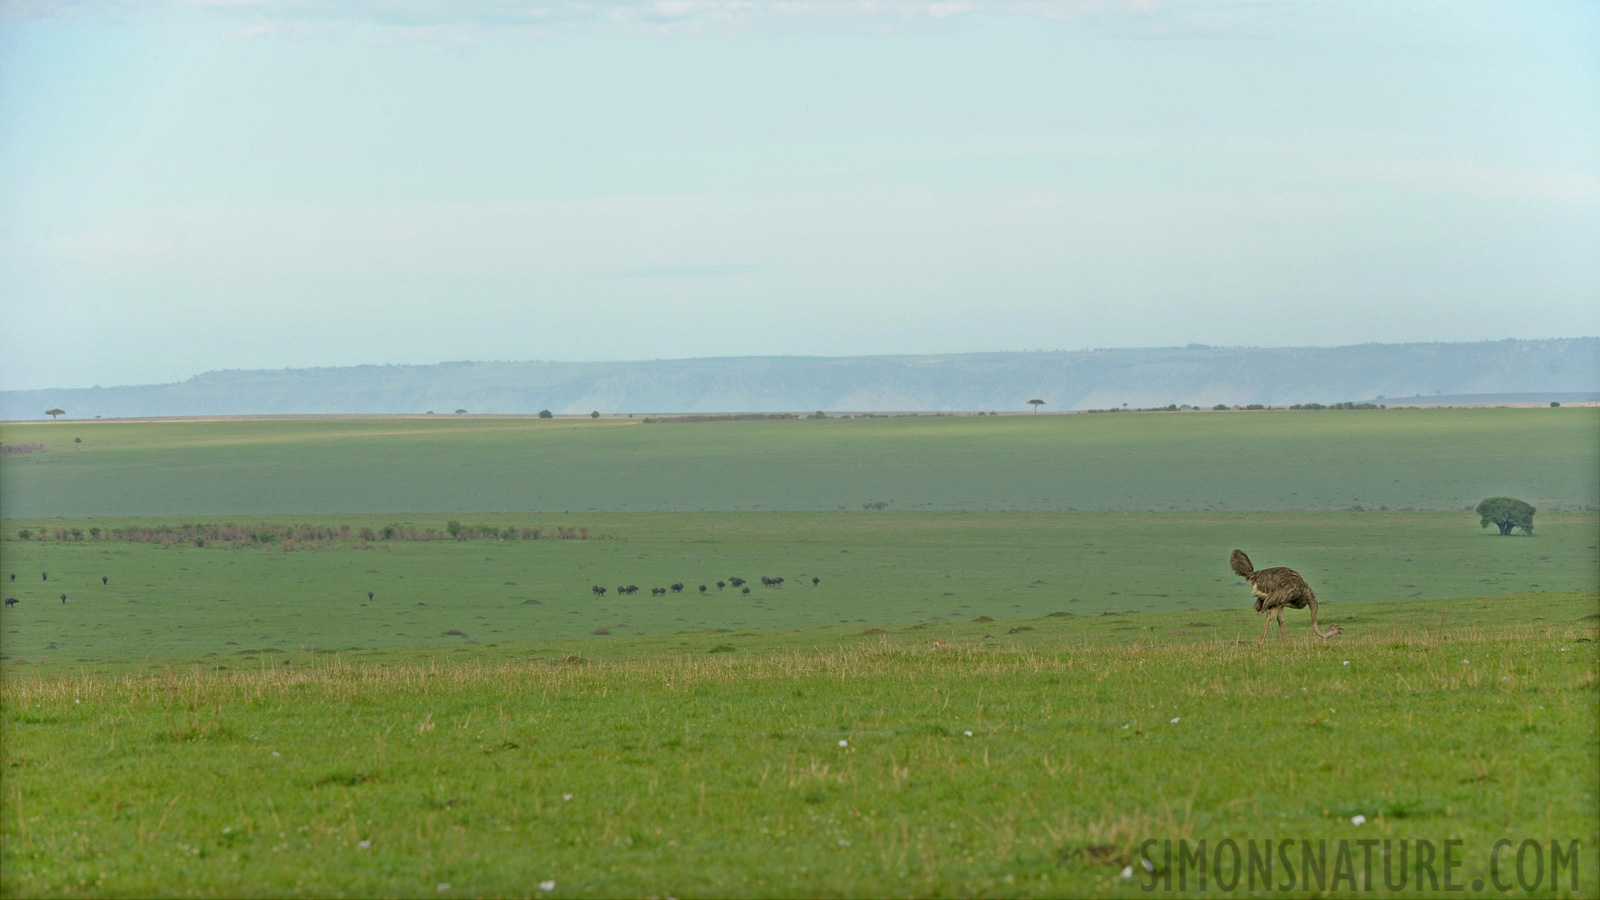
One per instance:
(1281,638)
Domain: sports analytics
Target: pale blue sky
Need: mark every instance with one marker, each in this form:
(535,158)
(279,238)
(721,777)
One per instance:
(188,186)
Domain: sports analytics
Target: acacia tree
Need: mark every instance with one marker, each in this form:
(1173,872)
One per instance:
(1036,404)
(1506,513)
(52,413)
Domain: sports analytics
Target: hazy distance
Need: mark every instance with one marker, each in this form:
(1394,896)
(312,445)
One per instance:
(191,187)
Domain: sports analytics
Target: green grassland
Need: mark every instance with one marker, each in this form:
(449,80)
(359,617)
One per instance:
(1033,764)
(875,569)
(1425,459)
(225,720)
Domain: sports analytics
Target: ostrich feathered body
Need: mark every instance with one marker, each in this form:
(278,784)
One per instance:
(1276,587)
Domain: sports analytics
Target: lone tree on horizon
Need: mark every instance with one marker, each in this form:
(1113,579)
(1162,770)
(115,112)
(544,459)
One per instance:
(52,413)
(1506,513)
(1036,404)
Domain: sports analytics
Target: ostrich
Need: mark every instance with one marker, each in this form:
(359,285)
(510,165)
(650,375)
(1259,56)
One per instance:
(1276,588)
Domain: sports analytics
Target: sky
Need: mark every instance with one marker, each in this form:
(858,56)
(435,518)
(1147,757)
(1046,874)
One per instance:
(189,185)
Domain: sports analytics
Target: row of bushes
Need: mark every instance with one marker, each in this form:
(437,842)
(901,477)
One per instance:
(21,448)
(285,535)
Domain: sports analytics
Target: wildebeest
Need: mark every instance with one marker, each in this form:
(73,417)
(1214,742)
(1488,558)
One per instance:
(44,576)
(736,582)
(702,589)
(720,584)
(598,590)
(369,595)
(13,576)
(63,599)
(677,588)
(815,581)
(633,589)
(11,601)
(105,579)
(746,590)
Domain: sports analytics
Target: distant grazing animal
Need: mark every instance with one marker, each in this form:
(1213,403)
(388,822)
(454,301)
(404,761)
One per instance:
(369,595)
(44,576)
(13,576)
(677,588)
(746,590)
(1278,588)
(598,590)
(702,589)
(736,582)
(720,584)
(657,591)
(107,580)
(815,581)
(11,601)
(63,598)
(633,589)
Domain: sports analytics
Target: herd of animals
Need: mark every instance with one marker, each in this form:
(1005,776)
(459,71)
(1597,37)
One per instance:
(1275,590)
(45,576)
(600,590)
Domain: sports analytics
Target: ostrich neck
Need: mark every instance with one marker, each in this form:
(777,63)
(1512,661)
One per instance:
(1319,631)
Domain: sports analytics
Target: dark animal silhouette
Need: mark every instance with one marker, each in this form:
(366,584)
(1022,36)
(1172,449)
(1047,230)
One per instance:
(104,579)
(746,590)
(63,599)
(1275,589)
(11,601)
(736,582)
(815,581)
(633,589)
(598,590)
(13,576)
(44,576)
(369,595)
(702,589)
(657,591)
(720,584)
(677,588)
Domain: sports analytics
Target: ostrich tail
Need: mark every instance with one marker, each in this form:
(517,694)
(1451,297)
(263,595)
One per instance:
(1241,564)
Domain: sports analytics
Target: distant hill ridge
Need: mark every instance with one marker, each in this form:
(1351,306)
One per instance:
(1090,379)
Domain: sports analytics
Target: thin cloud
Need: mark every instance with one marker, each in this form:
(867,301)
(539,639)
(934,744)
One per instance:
(450,17)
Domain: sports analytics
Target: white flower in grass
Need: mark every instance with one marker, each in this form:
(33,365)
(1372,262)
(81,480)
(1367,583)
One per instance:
(1127,871)
(969,734)
(444,886)
(363,845)
(1358,819)
(843,742)
(547,885)
(843,842)
(565,797)
(1175,720)
(1347,662)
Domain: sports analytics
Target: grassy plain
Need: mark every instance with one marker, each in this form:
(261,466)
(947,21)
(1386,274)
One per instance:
(1425,459)
(1033,764)
(244,721)
(876,569)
